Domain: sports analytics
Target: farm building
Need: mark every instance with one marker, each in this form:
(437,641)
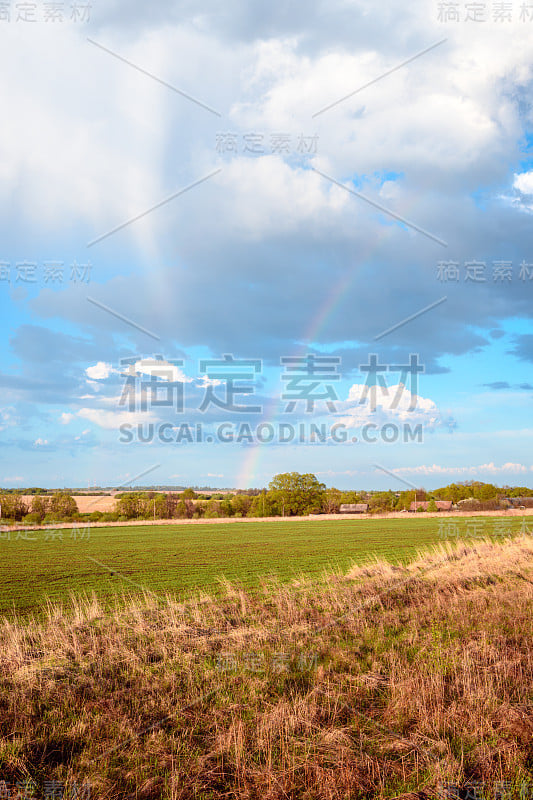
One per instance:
(353,508)
(518,502)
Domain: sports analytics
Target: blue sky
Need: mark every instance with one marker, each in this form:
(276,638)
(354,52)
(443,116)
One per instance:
(184,181)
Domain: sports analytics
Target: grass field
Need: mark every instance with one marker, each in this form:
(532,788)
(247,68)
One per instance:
(183,558)
(389,682)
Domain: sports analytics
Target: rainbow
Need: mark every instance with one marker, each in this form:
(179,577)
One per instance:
(340,290)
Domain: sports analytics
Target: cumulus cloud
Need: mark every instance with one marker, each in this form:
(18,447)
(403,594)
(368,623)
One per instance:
(523,182)
(436,469)
(267,257)
(99,371)
(383,404)
(112,420)
(160,368)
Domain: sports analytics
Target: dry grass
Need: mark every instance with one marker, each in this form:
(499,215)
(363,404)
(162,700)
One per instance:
(424,676)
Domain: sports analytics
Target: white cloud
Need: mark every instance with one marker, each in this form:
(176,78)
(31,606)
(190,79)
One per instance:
(204,381)
(40,442)
(436,469)
(159,368)
(523,182)
(100,371)
(56,122)
(7,418)
(382,404)
(268,196)
(112,420)
(66,417)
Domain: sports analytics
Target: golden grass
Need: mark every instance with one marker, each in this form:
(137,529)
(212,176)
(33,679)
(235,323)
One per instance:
(423,677)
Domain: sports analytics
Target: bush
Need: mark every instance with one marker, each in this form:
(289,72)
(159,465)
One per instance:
(63,506)
(184,509)
(32,519)
(13,506)
(109,516)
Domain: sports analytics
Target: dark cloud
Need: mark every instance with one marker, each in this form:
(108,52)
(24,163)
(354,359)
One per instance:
(318,25)
(523,346)
(41,346)
(496,385)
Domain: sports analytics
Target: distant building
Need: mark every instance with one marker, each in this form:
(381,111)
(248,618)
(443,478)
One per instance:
(442,505)
(518,502)
(353,508)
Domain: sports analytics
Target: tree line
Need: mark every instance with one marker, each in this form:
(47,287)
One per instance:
(288,494)
(59,507)
(293,494)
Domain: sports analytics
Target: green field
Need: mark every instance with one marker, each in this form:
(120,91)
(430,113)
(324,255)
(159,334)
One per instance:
(183,558)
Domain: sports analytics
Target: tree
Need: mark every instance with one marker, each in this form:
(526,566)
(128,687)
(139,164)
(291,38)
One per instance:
(158,507)
(171,502)
(212,509)
(40,506)
(13,506)
(188,494)
(63,506)
(298,494)
(240,505)
(129,505)
(332,501)
(264,506)
(184,509)
(382,501)
(226,507)
(406,498)
(432,506)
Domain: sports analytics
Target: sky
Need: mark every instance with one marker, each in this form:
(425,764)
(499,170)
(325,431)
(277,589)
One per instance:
(241,239)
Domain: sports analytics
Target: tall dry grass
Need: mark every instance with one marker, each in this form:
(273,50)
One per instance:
(423,678)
